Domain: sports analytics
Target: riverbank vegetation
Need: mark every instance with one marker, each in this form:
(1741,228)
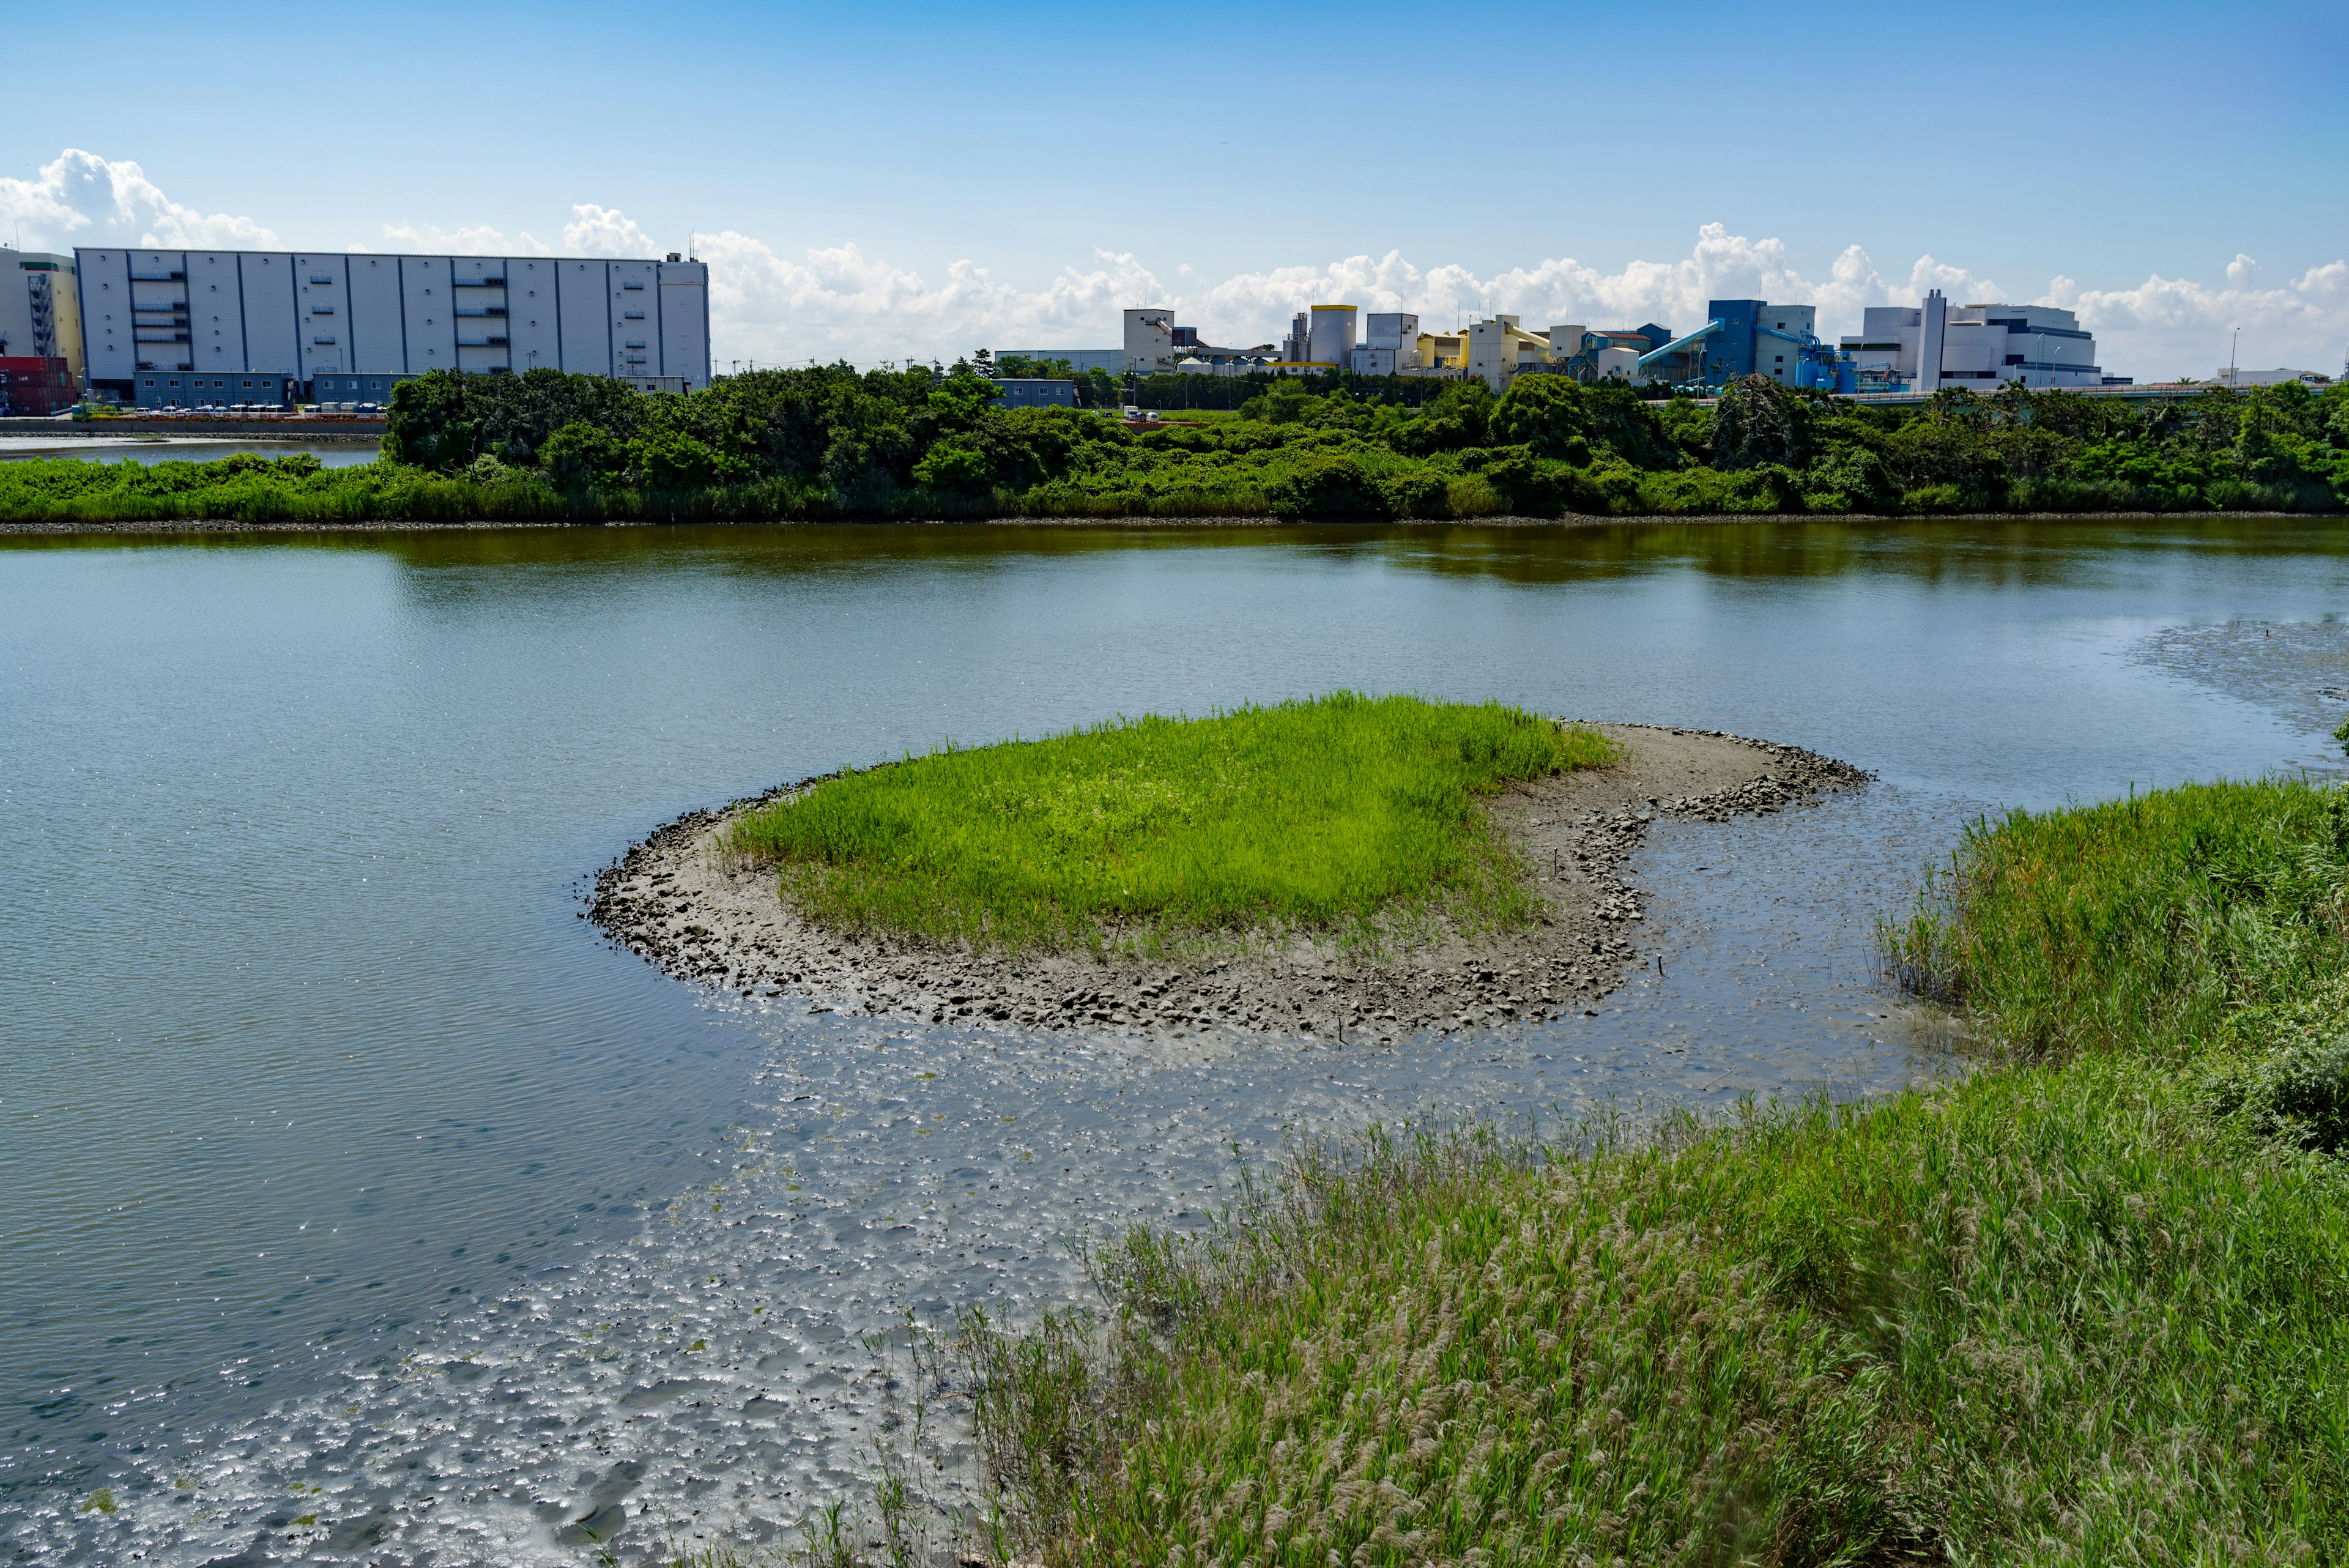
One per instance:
(1343,813)
(2089,1304)
(834,443)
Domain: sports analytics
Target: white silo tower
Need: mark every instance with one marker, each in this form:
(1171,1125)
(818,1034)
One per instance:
(1333,336)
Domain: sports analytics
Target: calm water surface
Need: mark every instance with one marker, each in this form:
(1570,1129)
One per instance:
(356,1203)
(180,449)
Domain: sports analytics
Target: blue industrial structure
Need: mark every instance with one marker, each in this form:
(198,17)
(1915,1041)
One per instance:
(1738,341)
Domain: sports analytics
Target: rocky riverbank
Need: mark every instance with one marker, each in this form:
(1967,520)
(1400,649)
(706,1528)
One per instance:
(676,899)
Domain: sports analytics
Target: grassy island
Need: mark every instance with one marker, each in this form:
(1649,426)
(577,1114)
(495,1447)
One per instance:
(830,443)
(2090,1305)
(1328,814)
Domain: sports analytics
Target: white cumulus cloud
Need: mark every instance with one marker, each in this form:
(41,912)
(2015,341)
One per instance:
(837,301)
(604,232)
(82,199)
(2181,326)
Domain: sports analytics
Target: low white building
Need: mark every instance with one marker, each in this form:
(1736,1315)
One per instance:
(1778,354)
(1935,345)
(1390,345)
(2314,380)
(1150,341)
(1499,347)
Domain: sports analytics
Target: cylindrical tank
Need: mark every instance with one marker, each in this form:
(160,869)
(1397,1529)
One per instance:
(1333,336)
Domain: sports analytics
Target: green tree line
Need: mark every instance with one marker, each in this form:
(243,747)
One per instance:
(835,442)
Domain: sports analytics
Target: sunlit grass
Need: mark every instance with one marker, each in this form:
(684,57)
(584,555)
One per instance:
(2089,1304)
(1335,813)
(2139,924)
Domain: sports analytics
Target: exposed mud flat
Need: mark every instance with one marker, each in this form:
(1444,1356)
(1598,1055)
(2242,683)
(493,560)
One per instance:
(677,900)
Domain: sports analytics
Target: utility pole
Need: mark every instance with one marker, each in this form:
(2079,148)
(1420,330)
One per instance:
(2232,344)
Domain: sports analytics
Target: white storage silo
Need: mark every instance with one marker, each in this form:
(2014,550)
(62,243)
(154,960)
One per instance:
(1333,336)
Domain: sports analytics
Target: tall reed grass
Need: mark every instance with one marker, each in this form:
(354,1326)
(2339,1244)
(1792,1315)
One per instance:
(2138,924)
(1332,814)
(2089,1304)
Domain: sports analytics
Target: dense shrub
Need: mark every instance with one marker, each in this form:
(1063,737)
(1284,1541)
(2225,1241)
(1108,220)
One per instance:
(1757,420)
(1327,486)
(830,442)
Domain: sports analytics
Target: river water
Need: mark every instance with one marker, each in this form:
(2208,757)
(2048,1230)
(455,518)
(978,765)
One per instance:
(357,1203)
(152,449)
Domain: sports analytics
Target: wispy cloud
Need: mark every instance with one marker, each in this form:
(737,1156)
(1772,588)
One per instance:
(838,302)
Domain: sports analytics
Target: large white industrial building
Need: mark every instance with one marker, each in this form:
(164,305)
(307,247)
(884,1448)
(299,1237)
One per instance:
(150,313)
(1935,345)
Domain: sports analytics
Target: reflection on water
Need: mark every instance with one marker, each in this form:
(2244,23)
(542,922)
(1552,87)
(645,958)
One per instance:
(2299,668)
(338,1153)
(180,448)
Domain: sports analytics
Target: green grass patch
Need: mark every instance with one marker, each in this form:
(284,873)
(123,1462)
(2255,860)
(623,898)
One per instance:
(2140,924)
(2089,1304)
(1341,813)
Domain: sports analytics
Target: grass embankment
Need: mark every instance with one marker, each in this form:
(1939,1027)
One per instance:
(1343,813)
(2089,1305)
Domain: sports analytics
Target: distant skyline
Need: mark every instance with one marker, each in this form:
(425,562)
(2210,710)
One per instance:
(913,180)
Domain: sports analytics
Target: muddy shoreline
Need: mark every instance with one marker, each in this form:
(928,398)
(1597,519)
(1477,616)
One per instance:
(674,900)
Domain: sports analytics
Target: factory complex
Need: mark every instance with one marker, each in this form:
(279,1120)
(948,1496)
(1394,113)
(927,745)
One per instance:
(188,329)
(1919,348)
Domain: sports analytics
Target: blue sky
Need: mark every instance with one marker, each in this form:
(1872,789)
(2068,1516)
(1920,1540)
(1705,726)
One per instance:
(894,177)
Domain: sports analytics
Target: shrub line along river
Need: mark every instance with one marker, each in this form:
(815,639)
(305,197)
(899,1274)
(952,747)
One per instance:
(359,1204)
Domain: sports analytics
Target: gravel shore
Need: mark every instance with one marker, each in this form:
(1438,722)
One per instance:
(675,899)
